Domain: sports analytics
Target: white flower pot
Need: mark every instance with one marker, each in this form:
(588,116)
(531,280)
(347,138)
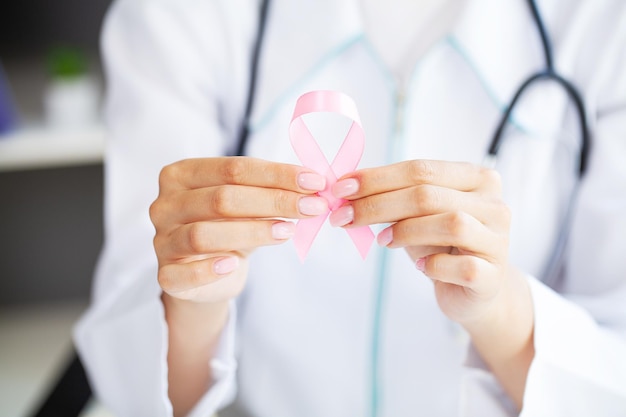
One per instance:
(71,103)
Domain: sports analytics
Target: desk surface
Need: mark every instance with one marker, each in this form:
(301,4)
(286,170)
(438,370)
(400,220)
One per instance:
(34,344)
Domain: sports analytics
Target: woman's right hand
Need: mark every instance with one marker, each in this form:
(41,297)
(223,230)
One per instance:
(212,213)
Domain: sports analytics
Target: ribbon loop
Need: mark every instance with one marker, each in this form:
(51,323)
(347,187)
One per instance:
(309,153)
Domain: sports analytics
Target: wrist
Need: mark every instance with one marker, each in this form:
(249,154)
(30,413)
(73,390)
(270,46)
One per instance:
(505,337)
(509,320)
(189,318)
(194,331)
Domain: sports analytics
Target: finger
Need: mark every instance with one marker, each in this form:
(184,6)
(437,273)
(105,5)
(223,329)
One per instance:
(457,229)
(208,172)
(238,201)
(385,238)
(176,277)
(460,176)
(464,270)
(209,237)
(418,252)
(423,200)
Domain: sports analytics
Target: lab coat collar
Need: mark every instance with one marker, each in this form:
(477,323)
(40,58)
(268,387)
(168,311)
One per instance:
(502,44)
(299,37)
(499,39)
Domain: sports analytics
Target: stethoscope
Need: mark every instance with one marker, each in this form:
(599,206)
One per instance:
(547,74)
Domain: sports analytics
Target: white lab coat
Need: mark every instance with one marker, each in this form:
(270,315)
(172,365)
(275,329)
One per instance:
(299,339)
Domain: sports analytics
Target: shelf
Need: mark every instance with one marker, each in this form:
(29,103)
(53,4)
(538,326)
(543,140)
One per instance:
(37,148)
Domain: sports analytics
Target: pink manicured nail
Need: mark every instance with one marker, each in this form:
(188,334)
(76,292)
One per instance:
(312,206)
(283,230)
(226,265)
(342,216)
(385,237)
(345,187)
(421,264)
(311,181)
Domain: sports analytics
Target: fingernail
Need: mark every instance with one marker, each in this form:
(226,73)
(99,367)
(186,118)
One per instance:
(385,237)
(283,230)
(342,216)
(312,206)
(421,264)
(226,265)
(345,187)
(311,181)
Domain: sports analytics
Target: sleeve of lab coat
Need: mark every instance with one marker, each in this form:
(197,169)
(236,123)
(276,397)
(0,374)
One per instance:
(177,75)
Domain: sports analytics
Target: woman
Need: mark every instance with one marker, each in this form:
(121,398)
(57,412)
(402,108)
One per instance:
(227,314)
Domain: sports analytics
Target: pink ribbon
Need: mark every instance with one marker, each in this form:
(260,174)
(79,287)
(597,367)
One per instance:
(311,156)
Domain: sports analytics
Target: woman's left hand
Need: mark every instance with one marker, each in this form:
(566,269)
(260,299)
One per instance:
(453,223)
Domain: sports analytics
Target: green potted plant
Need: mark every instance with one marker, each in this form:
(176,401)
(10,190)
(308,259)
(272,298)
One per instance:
(71,99)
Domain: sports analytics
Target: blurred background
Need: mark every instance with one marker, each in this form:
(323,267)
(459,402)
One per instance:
(51,146)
